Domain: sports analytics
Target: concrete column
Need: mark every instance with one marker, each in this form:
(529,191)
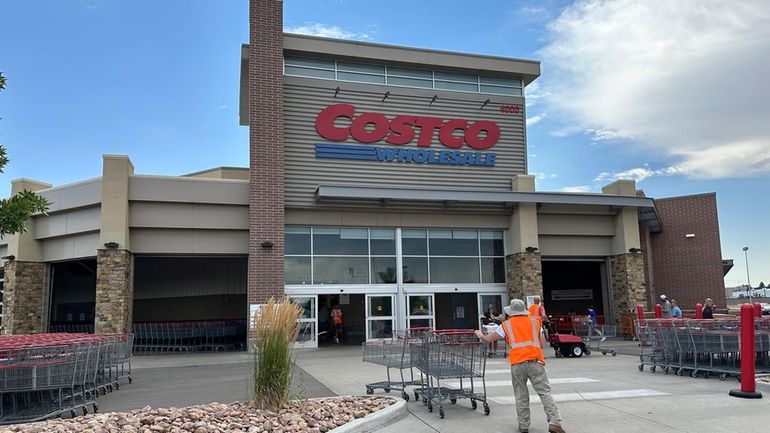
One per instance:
(25,284)
(523,265)
(627,262)
(114,263)
(114,291)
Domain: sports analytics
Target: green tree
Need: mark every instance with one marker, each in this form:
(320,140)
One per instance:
(17,210)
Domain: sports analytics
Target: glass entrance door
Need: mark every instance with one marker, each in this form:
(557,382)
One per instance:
(419,311)
(487,300)
(379,316)
(308,321)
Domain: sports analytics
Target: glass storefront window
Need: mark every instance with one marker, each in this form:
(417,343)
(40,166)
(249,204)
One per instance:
(491,243)
(420,305)
(297,241)
(454,270)
(380,329)
(414,242)
(340,270)
(340,241)
(415,269)
(493,270)
(453,243)
(296,270)
(384,270)
(381,306)
(383,242)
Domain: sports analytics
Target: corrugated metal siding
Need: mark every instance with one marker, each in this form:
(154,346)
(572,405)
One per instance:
(305,98)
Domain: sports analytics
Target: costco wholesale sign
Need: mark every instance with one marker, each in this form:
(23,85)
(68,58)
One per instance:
(455,135)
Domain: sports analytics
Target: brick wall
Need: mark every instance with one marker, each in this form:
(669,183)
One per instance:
(114,291)
(687,269)
(525,275)
(23,300)
(266,161)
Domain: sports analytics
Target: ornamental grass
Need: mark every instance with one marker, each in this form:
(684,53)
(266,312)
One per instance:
(274,332)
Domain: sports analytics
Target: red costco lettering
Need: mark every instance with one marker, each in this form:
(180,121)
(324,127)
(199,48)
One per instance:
(402,129)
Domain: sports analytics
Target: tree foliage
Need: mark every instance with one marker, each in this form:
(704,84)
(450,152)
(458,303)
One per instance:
(16,211)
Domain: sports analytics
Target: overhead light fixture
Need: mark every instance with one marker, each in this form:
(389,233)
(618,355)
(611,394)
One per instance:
(385,96)
(267,244)
(484,104)
(9,258)
(433,100)
(690,235)
(531,249)
(111,245)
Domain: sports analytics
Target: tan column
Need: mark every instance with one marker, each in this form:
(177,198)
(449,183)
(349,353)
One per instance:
(25,283)
(114,263)
(626,262)
(523,264)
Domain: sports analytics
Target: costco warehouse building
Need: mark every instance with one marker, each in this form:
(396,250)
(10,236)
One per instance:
(389,180)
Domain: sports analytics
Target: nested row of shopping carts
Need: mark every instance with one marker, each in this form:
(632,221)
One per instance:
(47,375)
(220,335)
(446,355)
(700,346)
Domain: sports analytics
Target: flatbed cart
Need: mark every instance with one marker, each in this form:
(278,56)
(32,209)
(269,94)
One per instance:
(453,354)
(394,353)
(593,335)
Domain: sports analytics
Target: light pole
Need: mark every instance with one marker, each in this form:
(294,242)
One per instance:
(748,279)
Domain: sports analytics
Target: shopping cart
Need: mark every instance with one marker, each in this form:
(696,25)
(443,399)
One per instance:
(451,354)
(395,353)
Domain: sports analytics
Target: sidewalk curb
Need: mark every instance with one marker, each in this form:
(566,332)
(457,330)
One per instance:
(763,387)
(375,420)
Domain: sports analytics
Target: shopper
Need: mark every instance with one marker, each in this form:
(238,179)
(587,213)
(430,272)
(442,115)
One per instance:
(521,333)
(666,306)
(593,323)
(490,319)
(708,309)
(337,323)
(676,312)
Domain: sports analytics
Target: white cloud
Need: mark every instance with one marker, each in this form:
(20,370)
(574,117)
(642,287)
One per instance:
(534,119)
(577,188)
(637,174)
(685,79)
(542,176)
(326,31)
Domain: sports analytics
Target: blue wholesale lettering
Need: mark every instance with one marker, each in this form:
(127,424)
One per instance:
(391,154)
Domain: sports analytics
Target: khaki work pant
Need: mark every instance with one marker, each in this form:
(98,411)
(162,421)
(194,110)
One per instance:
(535,373)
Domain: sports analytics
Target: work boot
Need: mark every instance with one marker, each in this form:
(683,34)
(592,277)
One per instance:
(523,430)
(555,428)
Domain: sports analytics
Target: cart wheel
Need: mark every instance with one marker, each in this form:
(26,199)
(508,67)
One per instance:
(96,408)
(430,406)
(614,353)
(652,369)
(369,391)
(130,380)
(474,405)
(557,354)
(641,367)
(723,377)
(387,390)
(604,352)
(680,372)
(588,352)
(416,396)
(694,373)
(453,400)
(117,385)
(73,413)
(577,351)
(424,401)
(665,370)
(706,375)
(441,412)
(486,409)
(739,378)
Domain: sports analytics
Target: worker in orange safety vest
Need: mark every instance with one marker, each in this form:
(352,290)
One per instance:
(521,332)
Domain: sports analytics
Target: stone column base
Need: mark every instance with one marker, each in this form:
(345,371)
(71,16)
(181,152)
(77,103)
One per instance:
(114,291)
(23,297)
(524,275)
(628,286)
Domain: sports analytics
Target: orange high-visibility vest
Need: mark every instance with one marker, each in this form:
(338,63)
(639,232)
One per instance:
(522,334)
(536,310)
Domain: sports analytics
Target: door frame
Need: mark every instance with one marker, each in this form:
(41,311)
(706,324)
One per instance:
(368,317)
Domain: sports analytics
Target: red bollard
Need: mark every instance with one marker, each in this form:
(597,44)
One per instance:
(640,311)
(658,311)
(698,311)
(748,353)
(757,309)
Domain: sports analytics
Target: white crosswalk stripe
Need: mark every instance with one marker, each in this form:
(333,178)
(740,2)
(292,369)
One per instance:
(597,395)
(494,383)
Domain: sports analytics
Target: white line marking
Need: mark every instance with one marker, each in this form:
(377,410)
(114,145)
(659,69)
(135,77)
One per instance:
(599,395)
(493,383)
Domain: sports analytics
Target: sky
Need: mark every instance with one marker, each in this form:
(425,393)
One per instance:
(671,94)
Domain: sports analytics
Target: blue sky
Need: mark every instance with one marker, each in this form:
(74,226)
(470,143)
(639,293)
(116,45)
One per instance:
(663,92)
